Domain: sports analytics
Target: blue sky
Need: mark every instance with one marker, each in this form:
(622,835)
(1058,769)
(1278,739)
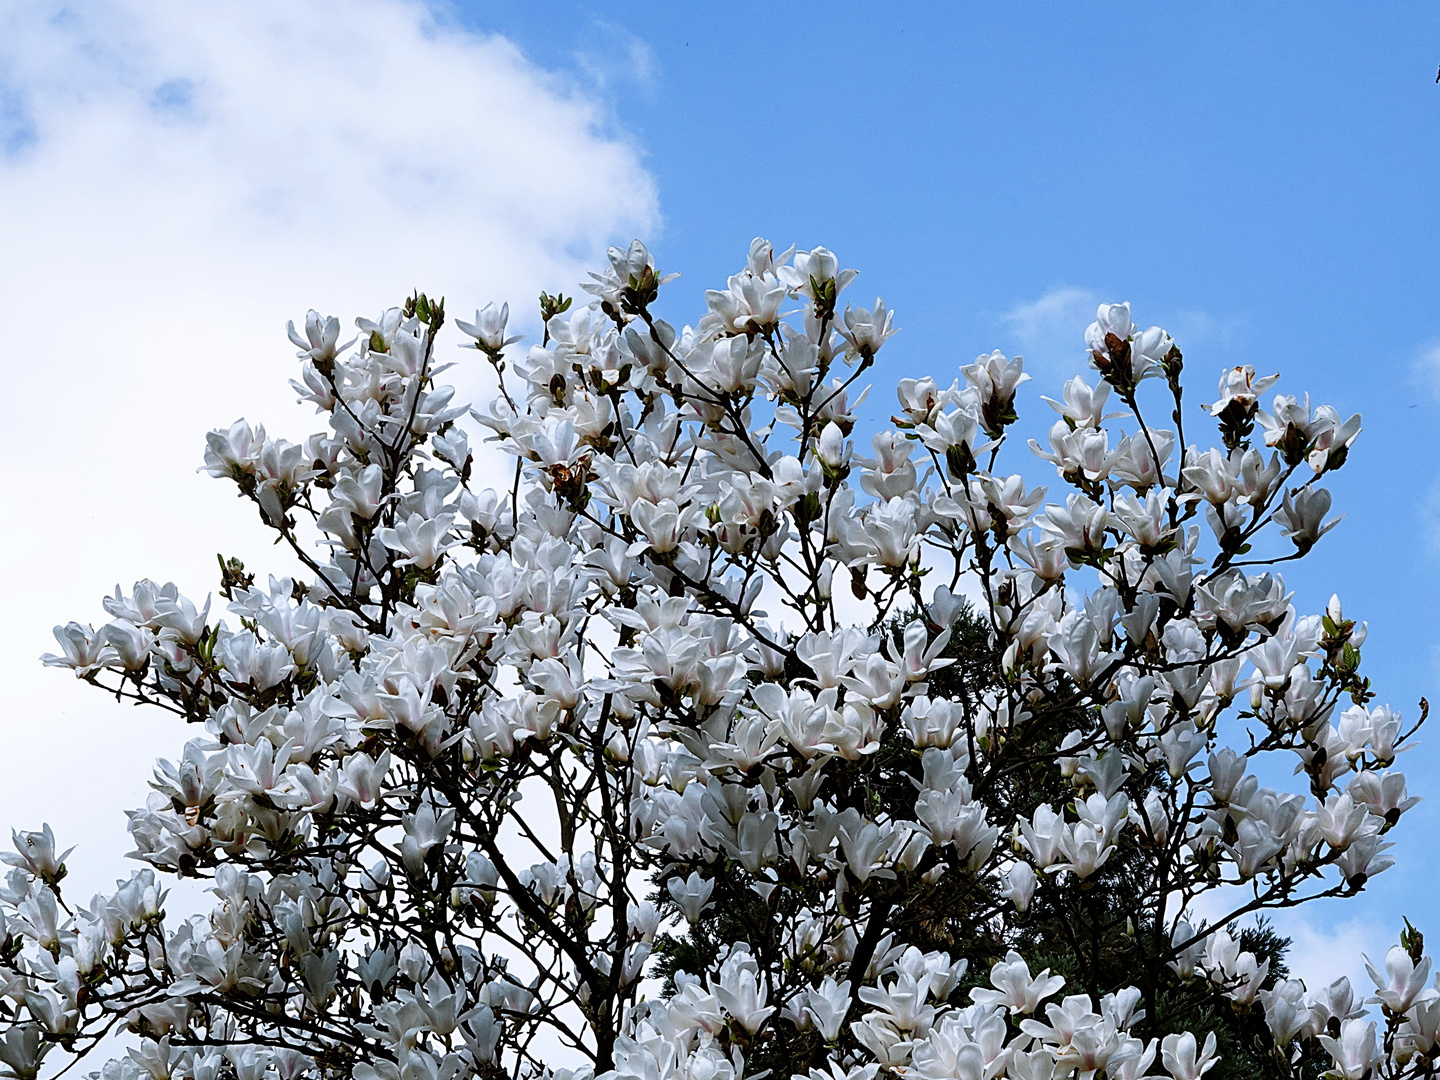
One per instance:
(1263,181)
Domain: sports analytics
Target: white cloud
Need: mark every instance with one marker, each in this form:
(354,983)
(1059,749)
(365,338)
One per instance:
(614,57)
(1320,954)
(1426,368)
(1430,517)
(1050,330)
(175,182)
(1054,312)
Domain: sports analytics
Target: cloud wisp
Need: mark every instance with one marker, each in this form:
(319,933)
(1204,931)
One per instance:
(1049,329)
(1426,368)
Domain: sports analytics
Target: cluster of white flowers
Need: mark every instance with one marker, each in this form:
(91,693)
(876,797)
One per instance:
(490,764)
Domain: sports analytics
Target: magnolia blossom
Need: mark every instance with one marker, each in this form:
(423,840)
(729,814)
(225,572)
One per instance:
(1014,986)
(694,743)
(1403,983)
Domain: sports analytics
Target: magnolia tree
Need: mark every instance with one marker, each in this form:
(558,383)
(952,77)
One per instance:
(708,746)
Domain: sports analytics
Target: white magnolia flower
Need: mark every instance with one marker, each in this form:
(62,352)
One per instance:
(685,689)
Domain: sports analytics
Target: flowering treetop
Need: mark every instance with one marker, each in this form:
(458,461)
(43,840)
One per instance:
(709,745)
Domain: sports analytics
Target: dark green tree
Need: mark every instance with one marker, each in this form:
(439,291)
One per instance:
(1096,934)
